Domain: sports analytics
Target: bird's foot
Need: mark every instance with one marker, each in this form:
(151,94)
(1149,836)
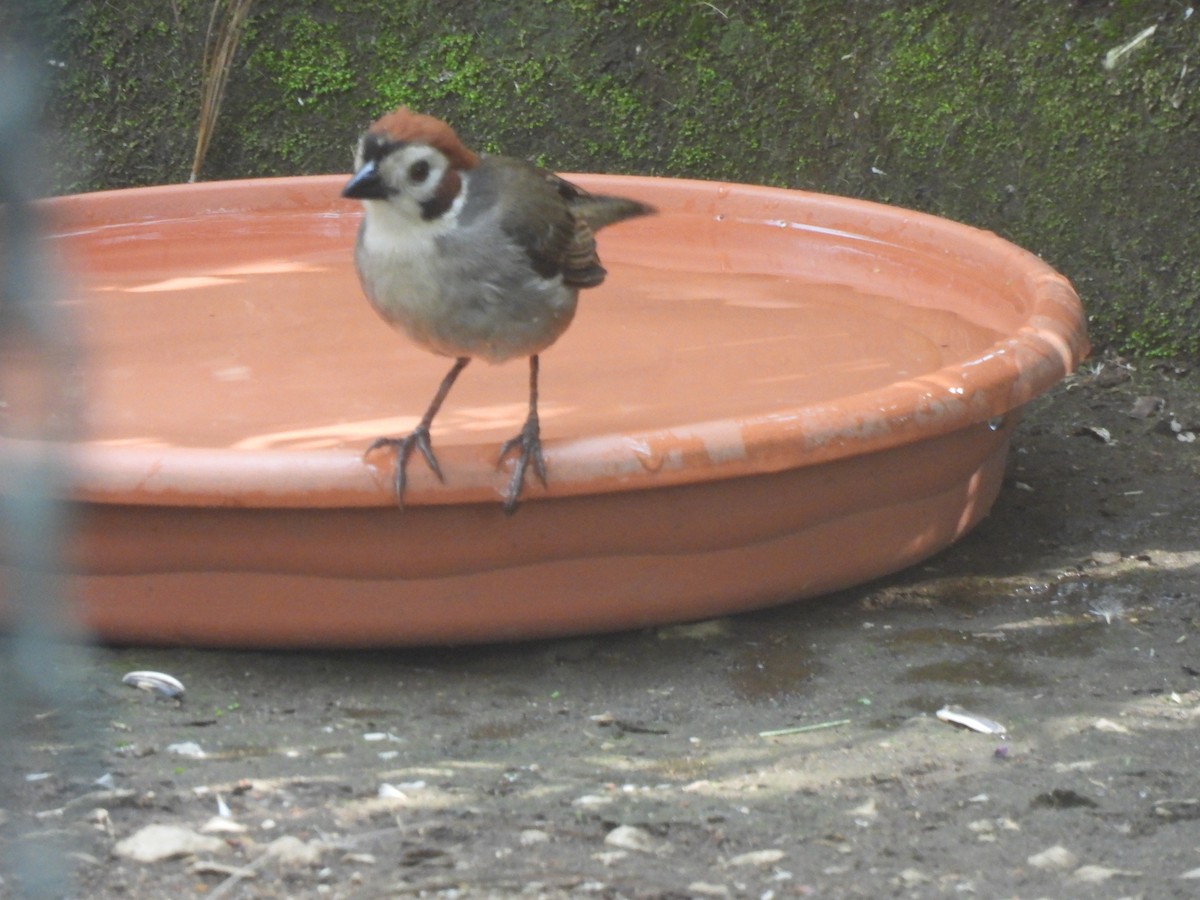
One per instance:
(417,439)
(528,443)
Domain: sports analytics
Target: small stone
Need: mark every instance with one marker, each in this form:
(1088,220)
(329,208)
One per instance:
(865,812)
(1110,726)
(912,877)
(221,825)
(756,858)
(609,857)
(695,631)
(190,749)
(1146,406)
(210,867)
(1056,857)
(591,800)
(532,836)
(1099,874)
(630,837)
(158,842)
(704,889)
(1063,798)
(289,850)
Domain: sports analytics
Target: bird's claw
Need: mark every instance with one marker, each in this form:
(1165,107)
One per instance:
(403,447)
(528,442)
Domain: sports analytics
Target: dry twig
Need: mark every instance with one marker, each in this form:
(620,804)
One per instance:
(226,23)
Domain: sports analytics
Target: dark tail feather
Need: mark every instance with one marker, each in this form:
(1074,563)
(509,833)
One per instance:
(598,210)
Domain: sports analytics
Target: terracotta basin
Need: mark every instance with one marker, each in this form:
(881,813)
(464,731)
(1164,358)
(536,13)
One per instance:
(774,395)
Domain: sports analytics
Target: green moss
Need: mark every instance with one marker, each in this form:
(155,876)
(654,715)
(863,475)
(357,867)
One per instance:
(124,99)
(313,64)
(459,71)
(1000,115)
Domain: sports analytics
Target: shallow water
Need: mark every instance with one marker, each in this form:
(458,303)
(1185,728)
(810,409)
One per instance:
(251,331)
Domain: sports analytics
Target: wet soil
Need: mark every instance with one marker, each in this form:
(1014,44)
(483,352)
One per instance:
(789,753)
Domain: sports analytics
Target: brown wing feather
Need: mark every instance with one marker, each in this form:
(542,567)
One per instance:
(562,242)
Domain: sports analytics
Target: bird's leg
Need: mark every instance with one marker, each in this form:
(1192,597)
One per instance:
(528,441)
(419,437)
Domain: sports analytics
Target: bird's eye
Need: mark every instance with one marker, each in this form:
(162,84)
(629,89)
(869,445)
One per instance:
(418,171)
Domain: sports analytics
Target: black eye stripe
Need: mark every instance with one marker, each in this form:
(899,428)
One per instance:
(377,146)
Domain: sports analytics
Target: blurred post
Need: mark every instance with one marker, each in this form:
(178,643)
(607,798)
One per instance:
(39,654)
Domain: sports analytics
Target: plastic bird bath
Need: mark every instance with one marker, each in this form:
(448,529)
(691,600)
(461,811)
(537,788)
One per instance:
(775,394)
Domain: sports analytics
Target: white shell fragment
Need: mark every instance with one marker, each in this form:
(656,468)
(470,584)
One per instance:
(1103,435)
(956,715)
(157,683)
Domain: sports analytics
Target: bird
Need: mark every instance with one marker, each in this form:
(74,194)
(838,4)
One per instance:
(473,257)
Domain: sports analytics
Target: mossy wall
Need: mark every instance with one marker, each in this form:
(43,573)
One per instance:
(999,114)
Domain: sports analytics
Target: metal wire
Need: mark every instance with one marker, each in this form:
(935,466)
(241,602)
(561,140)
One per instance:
(39,662)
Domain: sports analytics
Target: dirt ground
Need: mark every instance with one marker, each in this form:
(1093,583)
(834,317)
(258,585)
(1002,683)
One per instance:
(643,764)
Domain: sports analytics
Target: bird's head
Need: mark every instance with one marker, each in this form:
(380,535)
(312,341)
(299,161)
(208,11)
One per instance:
(412,162)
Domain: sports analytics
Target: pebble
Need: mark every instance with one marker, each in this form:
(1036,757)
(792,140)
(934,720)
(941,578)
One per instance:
(531,836)
(756,858)
(222,825)
(210,867)
(289,850)
(695,631)
(158,842)
(864,813)
(704,889)
(630,837)
(590,800)
(190,749)
(912,878)
(1056,857)
(1099,874)
(610,857)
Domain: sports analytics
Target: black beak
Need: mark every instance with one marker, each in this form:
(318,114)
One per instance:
(366,184)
